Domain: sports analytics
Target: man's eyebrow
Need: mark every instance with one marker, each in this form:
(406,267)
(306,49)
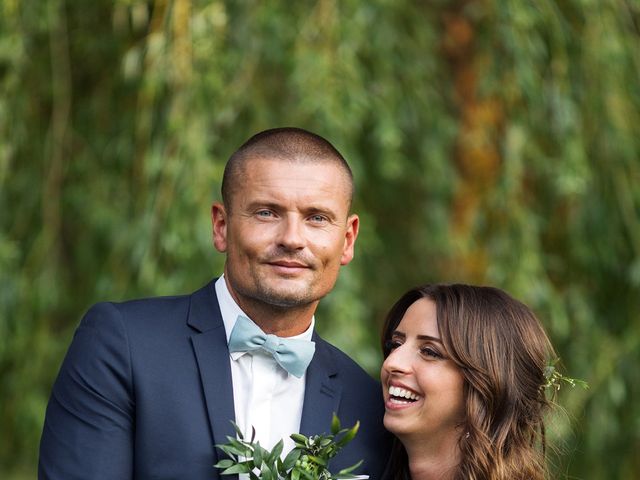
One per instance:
(264,204)
(321,209)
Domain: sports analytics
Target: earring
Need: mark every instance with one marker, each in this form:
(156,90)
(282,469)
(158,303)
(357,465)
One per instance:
(466,435)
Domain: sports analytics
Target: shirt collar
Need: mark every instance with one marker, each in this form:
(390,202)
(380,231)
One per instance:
(230,311)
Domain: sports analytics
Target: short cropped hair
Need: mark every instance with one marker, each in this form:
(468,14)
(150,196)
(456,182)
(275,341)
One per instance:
(289,144)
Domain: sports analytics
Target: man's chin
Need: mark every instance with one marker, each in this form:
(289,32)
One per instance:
(287,294)
(287,299)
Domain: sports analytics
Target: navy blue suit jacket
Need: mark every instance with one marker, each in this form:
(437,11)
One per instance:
(145,392)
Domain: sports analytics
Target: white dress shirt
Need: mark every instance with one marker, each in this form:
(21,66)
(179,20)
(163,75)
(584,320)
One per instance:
(265,395)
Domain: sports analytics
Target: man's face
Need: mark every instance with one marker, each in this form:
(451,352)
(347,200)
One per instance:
(286,232)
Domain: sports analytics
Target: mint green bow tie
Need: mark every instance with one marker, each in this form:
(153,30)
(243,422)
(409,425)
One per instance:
(292,354)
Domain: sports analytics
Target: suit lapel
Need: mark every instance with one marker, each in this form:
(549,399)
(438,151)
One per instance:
(322,391)
(212,356)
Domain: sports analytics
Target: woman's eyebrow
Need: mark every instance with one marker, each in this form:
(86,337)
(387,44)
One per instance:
(429,337)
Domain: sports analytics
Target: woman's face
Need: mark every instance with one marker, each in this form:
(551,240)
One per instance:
(422,387)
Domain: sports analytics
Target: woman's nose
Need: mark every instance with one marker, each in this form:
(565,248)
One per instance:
(398,361)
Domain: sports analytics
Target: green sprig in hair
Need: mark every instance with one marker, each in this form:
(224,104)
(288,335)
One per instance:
(555,379)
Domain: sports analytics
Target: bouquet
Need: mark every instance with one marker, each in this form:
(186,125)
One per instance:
(309,459)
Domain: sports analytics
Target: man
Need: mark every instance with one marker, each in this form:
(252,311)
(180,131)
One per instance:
(148,387)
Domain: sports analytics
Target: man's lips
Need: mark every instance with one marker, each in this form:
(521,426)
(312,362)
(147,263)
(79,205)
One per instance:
(288,266)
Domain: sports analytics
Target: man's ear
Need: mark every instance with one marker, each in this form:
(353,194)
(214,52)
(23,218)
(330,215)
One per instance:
(219,225)
(353,225)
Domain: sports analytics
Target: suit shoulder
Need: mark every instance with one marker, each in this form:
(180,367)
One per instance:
(158,304)
(161,306)
(141,305)
(138,312)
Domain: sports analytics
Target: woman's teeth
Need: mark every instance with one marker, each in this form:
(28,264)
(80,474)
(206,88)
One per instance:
(402,395)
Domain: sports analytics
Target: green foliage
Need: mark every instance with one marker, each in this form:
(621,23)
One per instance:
(308,460)
(555,380)
(493,142)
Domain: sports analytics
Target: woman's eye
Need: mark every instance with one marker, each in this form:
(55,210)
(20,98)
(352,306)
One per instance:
(430,352)
(391,345)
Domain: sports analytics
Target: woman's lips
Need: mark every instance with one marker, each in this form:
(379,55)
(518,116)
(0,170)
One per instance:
(400,396)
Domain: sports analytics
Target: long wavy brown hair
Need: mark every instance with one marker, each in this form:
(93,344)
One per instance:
(502,350)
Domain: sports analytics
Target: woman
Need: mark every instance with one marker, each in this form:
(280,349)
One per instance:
(463,382)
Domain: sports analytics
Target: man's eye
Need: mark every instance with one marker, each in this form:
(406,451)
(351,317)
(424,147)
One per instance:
(430,352)
(318,218)
(264,213)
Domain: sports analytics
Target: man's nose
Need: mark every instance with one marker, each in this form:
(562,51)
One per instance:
(292,233)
